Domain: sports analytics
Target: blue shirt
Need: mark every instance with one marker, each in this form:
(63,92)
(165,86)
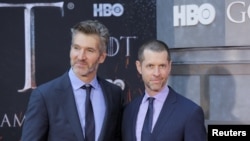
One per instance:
(158,103)
(97,100)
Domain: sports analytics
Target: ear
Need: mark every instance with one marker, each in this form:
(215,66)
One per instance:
(102,57)
(138,66)
(170,66)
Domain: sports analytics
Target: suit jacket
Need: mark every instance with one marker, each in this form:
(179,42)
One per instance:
(52,114)
(180,120)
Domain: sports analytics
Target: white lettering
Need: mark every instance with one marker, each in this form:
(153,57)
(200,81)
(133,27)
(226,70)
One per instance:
(207,14)
(114,45)
(216,132)
(192,18)
(179,16)
(118,82)
(17,122)
(189,15)
(127,38)
(30,82)
(107,10)
(5,121)
(97,10)
(243,14)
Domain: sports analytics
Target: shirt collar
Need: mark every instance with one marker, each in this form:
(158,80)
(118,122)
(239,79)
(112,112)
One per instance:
(161,96)
(78,83)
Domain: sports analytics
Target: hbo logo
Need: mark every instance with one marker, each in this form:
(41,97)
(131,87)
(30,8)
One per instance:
(118,82)
(107,10)
(188,15)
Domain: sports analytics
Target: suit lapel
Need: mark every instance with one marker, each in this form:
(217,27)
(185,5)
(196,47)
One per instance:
(167,109)
(135,114)
(67,101)
(107,103)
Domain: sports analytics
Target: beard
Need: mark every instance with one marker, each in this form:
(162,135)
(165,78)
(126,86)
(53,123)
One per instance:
(155,87)
(86,69)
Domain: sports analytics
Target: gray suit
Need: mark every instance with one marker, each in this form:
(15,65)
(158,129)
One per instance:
(180,120)
(52,114)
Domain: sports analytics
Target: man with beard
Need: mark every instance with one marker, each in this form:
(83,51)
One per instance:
(160,114)
(56,110)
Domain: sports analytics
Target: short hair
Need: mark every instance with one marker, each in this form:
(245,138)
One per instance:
(93,27)
(154,45)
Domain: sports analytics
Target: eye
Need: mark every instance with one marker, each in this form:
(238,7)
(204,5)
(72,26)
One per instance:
(150,66)
(91,50)
(75,47)
(162,66)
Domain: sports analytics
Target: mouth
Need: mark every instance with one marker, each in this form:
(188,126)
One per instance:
(158,82)
(81,64)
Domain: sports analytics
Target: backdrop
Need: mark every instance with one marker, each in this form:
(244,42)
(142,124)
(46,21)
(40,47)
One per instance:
(35,41)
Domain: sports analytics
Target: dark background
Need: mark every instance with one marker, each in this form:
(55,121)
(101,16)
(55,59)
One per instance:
(52,44)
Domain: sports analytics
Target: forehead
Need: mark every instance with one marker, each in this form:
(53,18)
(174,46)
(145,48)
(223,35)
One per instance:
(155,56)
(86,39)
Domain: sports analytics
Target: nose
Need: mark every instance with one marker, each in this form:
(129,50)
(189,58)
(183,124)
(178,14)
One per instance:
(156,71)
(82,54)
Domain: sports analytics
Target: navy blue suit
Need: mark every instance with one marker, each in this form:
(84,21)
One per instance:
(180,120)
(52,114)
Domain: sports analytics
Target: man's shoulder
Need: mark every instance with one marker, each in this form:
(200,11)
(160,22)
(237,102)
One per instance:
(57,79)
(185,101)
(61,81)
(133,102)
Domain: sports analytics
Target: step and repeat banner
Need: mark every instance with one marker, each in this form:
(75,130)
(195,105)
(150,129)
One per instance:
(35,41)
(210,46)
(204,23)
